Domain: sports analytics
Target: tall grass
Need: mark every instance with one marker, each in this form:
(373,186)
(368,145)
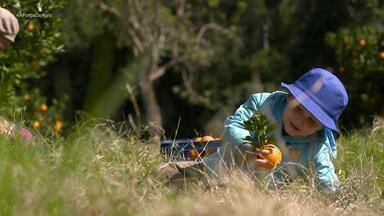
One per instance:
(101,169)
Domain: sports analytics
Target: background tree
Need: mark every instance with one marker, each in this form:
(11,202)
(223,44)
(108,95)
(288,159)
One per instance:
(24,62)
(163,37)
(194,60)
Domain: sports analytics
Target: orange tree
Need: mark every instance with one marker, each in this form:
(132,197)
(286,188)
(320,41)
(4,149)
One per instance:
(36,45)
(359,55)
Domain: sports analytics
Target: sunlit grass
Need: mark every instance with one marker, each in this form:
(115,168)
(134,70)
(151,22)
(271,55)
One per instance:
(100,169)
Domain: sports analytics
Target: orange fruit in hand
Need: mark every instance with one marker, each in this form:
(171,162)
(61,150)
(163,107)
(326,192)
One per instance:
(274,158)
(207,138)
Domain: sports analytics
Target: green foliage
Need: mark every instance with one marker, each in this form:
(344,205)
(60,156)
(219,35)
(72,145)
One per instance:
(360,64)
(36,112)
(260,128)
(36,45)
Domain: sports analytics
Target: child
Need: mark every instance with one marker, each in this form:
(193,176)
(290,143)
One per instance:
(9,27)
(306,117)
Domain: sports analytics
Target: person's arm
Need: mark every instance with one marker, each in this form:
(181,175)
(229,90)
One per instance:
(6,127)
(234,132)
(325,171)
(11,130)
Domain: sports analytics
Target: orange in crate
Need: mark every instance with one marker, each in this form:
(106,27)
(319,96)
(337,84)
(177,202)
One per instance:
(207,138)
(195,154)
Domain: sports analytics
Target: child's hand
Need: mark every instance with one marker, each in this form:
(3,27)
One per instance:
(260,161)
(255,158)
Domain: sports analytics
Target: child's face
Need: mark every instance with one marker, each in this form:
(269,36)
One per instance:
(298,121)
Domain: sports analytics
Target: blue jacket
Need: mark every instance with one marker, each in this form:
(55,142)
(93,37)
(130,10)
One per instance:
(312,153)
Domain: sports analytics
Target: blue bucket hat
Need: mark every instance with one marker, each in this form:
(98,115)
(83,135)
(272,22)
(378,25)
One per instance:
(322,94)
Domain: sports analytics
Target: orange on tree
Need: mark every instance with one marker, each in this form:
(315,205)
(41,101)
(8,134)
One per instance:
(30,26)
(362,42)
(36,124)
(58,126)
(26,98)
(43,107)
(382,55)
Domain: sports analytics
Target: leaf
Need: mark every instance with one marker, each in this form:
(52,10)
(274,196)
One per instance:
(259,125)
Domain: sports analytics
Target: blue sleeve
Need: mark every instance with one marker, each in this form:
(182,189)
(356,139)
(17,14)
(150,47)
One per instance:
(234,132)
(325,171)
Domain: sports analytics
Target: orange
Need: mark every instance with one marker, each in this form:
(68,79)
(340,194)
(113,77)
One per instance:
(207,138)
(274,158)
(362,42)
(382,55)
(43,107)
(36,124)
(193,153)
(197,139)
(26,98)
(30,26)
(58,126)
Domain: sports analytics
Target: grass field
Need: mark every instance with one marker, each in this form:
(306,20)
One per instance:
(101,169)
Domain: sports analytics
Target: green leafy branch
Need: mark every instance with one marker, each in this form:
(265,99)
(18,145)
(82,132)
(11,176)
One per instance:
(259,126)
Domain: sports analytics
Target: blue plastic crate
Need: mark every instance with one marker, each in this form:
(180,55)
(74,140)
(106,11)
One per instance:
(188,149)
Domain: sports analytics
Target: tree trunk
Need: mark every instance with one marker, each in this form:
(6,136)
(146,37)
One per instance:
(148,94)
(152,108)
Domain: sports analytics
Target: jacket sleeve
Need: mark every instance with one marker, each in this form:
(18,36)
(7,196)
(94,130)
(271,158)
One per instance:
(234,132)
(325,171)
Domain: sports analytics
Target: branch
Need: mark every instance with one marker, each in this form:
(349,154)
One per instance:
(193,96)
(208,26)
(160,71)
(180,8)
(110,9)
(138,43)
